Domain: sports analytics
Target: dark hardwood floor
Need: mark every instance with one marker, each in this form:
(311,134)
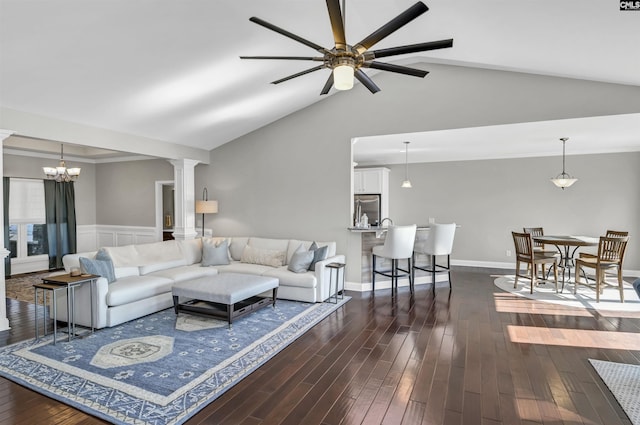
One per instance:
(475,355)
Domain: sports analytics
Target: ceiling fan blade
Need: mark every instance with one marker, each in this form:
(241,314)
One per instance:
(399,21)
(288,34)
(337,24)
(412,48)
(366,81)
(327,85)
(396,68)
(282,80)
(301,58)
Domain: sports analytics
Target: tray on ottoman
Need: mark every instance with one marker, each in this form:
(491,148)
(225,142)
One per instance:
(225,295)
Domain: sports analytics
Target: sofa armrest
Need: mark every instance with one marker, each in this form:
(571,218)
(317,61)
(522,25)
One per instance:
(323,276)
(73,260)
(82,306)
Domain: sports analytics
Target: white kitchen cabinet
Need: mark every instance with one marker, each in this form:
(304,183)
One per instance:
(371,180)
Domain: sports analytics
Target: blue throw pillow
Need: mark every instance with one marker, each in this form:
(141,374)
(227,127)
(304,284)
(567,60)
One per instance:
(102,268)
(300,260)
(214,255)
(319,254)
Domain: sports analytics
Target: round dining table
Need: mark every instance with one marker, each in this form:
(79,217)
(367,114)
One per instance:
(567,246)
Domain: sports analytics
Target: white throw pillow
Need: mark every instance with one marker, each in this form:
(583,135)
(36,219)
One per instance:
(265,257)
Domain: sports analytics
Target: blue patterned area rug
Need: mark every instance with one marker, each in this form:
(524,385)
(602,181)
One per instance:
(159,369)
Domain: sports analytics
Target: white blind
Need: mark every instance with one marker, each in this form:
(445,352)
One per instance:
(26,201)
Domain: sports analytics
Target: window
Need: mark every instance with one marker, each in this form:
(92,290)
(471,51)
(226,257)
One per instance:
(27,228)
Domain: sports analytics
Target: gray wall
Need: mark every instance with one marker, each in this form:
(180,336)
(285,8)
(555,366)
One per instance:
(125,191)
(292,178)
(31,167)
(489,199)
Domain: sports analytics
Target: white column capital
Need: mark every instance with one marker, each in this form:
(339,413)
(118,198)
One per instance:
(4,134)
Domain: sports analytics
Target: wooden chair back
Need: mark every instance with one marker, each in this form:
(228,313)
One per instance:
(535,231)
(616,234)
(611,249)
(523,245)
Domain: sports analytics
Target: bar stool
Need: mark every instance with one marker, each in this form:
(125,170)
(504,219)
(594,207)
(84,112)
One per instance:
(398,245)
(439,242)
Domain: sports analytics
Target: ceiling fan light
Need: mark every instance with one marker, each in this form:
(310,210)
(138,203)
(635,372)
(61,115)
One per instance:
(343,77)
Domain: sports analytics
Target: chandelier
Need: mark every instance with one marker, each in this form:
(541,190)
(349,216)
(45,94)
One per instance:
(61,173)
(563,179)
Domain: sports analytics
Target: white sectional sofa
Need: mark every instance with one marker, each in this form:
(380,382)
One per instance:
(145,274)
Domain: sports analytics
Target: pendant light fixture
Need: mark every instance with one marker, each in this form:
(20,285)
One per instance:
(406,183)
(563,179)
(61,173)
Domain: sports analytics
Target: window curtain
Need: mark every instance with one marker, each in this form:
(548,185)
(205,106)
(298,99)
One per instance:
(59,199)
(5,191)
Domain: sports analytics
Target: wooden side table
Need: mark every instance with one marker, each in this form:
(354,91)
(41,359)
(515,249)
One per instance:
(337,267)
(69,284)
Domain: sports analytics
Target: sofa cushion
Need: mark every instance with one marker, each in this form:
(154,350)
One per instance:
(135,288)
(265,257)
(123,256)
(150,268)
(238,267)
(102,268)
(215,252)
(159,252)
(182,273)
(191,250)
(126,271)
(300,260)
(287,278)
(237,247)
(270,244)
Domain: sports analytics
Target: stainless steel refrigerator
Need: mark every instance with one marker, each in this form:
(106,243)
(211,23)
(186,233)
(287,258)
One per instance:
(367,204)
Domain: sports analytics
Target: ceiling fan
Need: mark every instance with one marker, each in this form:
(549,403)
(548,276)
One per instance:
(347,61)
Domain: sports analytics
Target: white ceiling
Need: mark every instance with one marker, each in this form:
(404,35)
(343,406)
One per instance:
(169,70)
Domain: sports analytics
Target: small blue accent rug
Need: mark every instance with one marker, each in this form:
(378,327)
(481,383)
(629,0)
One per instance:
(159,369)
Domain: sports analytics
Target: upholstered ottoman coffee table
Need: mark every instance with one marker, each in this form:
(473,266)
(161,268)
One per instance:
(225,295)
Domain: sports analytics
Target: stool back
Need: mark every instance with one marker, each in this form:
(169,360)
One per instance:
(399,242)
(440,239)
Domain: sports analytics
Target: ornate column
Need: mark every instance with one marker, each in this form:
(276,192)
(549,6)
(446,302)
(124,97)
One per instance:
(4,252)
(184,184)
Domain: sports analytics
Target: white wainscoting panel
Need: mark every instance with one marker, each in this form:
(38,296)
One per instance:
(92,237)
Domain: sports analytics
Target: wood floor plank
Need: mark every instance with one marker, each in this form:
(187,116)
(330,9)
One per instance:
(473,355)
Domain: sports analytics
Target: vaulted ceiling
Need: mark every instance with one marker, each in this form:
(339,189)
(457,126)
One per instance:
(170,70)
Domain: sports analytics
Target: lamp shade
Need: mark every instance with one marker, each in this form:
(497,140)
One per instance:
(206,207)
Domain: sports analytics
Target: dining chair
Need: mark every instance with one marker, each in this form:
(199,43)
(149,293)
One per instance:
(398,245)
(609,234)
(439,242)
(610,255)
(539,246)
(526,254)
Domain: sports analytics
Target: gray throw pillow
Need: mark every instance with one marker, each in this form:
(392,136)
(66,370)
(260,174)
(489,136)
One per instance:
(102,268)
(319,254)
(214,255)
(300,260)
